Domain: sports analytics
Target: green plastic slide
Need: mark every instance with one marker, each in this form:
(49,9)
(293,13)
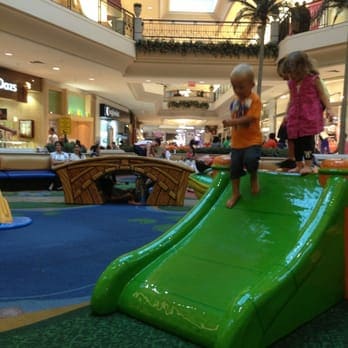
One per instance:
(241,277)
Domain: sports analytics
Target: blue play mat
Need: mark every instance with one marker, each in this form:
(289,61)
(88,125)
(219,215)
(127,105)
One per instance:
(18,221)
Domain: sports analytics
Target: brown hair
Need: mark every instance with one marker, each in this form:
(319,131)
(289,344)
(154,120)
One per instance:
(299,62)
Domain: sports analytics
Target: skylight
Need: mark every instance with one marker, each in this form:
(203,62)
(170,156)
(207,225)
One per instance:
(191,5)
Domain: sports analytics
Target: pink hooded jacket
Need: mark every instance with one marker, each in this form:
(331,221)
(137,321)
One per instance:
(305,112)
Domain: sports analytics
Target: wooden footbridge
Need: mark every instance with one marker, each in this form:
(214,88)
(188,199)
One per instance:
(80,179)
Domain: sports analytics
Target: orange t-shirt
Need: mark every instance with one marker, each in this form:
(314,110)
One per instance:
(249,134)
(270,143)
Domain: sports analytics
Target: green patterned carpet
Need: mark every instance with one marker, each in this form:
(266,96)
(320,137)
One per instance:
(80,329)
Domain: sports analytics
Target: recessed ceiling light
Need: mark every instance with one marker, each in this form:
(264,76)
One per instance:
(91,79)
(36,62)
(56,68)
(147,80)
(8,54)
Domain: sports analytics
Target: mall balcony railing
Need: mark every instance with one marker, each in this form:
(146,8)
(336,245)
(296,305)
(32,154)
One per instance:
(109,15)
(204,31)
(116,18)
(122,21)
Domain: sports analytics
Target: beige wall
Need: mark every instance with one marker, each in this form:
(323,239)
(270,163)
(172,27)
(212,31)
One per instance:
(32,110)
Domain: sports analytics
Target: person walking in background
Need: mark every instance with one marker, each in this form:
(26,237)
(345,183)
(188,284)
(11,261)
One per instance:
(305,17)
(246,136)
(207,137)
(308,100)
(52,136)
(295,18)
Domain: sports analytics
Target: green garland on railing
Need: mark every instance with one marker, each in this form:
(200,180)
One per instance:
(220,49)
(188,104)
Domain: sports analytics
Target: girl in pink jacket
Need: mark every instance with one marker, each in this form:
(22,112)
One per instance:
(308,100)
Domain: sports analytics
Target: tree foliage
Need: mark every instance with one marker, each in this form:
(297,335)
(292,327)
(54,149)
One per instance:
(260,13)
(338,5)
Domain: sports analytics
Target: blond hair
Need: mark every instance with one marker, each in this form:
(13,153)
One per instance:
(243,69)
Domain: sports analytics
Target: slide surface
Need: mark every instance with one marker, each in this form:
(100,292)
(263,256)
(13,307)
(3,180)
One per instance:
(241,277)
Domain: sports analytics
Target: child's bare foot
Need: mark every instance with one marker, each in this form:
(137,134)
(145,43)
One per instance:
(315,170)
(306,170)
(232,201)
(295,170)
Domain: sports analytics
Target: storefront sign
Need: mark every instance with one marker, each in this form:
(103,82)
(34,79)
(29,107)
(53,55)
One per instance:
(8,86)
(64,125)
(109,111)
(14,85)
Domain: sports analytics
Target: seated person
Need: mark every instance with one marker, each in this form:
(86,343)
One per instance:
(271,142)
(57,157)
(77,154)
(95,150)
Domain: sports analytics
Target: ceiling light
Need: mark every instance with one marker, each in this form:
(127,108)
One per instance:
(191,6)
(8,54)
(36,62)
(57,68)
(185,127)
(91,79)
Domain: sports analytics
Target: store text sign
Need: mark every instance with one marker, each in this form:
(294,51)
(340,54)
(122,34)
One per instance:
(108,111)
(8,86)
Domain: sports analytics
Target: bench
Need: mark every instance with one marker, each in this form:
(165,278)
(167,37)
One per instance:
(25,171)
